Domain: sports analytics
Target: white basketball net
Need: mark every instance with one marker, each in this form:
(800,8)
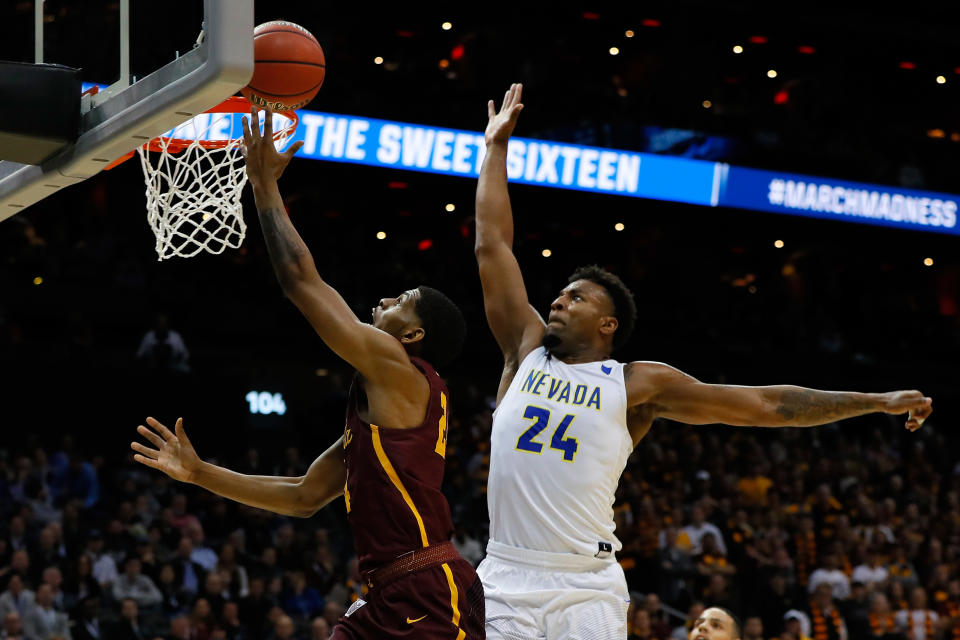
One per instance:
(193,193)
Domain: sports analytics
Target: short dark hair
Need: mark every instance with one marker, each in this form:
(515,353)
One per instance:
(443,326)
(737,625)
(624,306)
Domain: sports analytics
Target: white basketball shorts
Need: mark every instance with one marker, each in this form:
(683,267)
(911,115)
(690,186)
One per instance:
(538,595)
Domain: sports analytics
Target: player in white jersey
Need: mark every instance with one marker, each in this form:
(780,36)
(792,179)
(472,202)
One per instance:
(568,417)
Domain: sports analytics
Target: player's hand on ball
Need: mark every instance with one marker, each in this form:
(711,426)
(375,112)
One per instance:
(915,404)
(174,454)
(264,162)
(501,125)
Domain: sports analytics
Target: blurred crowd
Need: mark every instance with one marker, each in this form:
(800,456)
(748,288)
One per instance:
(844,532)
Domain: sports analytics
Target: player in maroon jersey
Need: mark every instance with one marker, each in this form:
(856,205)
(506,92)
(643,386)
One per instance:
(389,463)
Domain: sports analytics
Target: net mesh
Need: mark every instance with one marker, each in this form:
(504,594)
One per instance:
(193,187)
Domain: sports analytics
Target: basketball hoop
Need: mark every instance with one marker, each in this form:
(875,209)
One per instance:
(194,177)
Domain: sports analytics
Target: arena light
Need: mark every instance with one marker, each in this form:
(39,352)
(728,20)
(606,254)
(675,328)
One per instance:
(778,244)
(781,97)
(546,253)
(772,73)
(628,33)
(650,22)
(907,65)
(619,226)
(446,26)
(614,51)
(381,235)
(936,133)
(424,244)
(806,50)
(378,60)
(706,104)
(38,280)
(737,48)
(941,80)
(928,262)
(443,64)
(758,39)
(450,207)
(457,52)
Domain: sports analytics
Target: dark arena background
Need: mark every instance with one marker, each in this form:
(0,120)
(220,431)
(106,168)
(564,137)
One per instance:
(727,294)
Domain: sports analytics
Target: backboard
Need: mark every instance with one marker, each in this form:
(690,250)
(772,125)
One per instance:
(126,115)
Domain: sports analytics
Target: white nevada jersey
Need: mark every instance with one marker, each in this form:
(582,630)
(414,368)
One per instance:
(559,445)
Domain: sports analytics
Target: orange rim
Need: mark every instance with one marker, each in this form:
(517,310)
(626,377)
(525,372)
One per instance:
(233,104)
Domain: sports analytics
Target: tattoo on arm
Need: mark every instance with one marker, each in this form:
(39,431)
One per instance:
(284,244)
(809,407)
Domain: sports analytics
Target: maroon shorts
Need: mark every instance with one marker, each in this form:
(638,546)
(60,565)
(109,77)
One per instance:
(440,602)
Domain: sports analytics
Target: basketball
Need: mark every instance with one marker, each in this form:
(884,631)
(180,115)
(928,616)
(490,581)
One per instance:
(288,66)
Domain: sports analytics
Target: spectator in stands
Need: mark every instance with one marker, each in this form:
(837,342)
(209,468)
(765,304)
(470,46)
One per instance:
(201,554)
(284,629)
(61,601)
(640,628)
(190,574)
(698,527)
(104,566)
(919,622)
(796,625)
(42,621)
(879,624)
(693,613)
(302,601)
(237,582)
(12,627)
(88,625)
(79,582)
(254,608)
(467,546)
(162,349)
(230,622)
(830,573)
(213,592)
(17,598)
(128,627)
(201,620)
(135,586)
(753,628)
(174,598)
(659,621)
(871,573)
(81,482)
(180,629)
(825,618)
(319,629)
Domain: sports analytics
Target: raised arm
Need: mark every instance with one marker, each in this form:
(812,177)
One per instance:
(377,355)
(675,395)
(300,496)
(517,327)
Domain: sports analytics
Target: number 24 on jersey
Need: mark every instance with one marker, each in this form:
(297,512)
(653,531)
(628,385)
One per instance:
(541,417)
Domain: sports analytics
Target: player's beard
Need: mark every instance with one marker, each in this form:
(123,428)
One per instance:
(550,341)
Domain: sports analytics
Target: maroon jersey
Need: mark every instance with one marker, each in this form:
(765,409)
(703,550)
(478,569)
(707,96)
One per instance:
(393,496)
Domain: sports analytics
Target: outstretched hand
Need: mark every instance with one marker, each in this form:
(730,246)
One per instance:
(264,162)
(501,125)
(915,404)
(174,454)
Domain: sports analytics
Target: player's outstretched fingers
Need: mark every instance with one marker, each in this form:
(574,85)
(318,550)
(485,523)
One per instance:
(150,462)
(145,450)
(254,123)
(150,435)
(268,123)
(491,109)
(161,429)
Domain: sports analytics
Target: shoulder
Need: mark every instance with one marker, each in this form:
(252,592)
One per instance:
(645,379)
